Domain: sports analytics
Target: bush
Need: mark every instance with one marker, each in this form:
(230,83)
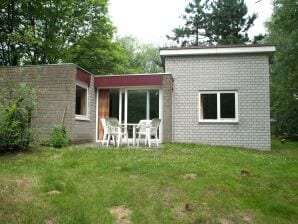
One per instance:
(17,104)
(58,137)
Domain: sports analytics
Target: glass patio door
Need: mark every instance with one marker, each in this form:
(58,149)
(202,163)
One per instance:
(129,105)
(136,105)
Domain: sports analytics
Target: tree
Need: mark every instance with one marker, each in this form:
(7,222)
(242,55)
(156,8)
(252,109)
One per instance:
(142,58)
(9,33)
(283,31)
(149,59)
(42,32)
(214,22)
(194,28)
(228,22)
(97,53)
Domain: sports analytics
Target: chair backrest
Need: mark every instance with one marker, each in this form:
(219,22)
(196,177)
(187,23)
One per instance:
(113,121)
(143,124)
(104,124)
(155,123)
(113,124)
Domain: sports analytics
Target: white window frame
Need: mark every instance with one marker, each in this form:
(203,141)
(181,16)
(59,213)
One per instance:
(219,119)
(84,117)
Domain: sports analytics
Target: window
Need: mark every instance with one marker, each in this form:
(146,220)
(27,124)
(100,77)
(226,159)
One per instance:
(81,102)
(218,106)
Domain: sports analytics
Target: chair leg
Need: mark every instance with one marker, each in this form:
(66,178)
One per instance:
(156,140)
(119,140)
(149,140)
(146,139)
(108,140)
(103,139)
(139,137)
(114,140)
(126,137)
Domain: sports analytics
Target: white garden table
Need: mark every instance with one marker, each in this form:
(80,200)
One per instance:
(134,126)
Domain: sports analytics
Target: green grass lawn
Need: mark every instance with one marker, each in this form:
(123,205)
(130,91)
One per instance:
(81,185)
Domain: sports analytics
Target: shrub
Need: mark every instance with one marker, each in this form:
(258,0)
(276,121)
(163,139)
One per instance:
(58,137)
(17,104)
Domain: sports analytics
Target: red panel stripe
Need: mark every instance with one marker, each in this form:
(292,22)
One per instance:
(83,76)
(128,80)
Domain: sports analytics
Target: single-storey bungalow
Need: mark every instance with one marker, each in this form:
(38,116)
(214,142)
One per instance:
(216,95)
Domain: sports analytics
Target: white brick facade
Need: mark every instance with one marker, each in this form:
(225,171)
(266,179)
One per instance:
(246,73)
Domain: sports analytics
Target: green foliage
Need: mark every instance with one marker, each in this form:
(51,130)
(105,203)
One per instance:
(125,55)
(283,31)
(41,32)
(141,58)
(214,22)
(58,138)
(193,32)
(228,22)
(17,104)
(97,53)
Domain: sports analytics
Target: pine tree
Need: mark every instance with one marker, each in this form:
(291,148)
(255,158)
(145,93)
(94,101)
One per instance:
(214,22)
(228,23)
(193,31)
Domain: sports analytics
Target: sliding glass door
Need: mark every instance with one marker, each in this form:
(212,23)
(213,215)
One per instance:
(141,104)
(130,105)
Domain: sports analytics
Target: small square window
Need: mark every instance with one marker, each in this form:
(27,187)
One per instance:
(218,106)
(81,101)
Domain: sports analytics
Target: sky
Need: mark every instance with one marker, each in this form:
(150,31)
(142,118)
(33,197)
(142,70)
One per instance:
(151,20)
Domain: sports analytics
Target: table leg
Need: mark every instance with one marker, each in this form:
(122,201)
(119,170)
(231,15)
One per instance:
(133,135)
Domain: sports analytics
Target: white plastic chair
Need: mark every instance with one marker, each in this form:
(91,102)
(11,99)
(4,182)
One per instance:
(152,130)
(142,130)
(106,131)
(116,131)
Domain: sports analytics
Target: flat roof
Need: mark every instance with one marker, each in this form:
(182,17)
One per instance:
(218,49)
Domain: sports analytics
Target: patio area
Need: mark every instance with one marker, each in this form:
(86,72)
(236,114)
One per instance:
(129,100)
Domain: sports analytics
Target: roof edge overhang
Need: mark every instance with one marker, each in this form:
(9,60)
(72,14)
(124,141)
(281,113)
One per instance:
(83,75)
(129,80)
(218,50)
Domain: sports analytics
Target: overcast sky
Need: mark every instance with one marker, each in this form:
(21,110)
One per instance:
(151,20)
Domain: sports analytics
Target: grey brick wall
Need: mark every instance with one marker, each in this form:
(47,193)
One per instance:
(55,86)
(85,131)
(249,74)
(167,107)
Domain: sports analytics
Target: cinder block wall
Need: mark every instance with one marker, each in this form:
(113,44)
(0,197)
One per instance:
(167,87)
(55,86)
(85,130)
(249,74)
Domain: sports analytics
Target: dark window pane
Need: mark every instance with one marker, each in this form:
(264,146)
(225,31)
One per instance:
(208,106)
(227,105)
(123,107)
(114,103)
(154,103)
(81,100)
(136,105)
